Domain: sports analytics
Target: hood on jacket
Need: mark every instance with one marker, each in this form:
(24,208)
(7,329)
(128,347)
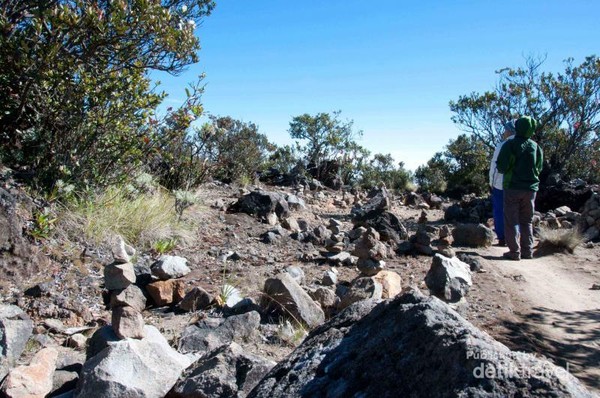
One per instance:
(525,126)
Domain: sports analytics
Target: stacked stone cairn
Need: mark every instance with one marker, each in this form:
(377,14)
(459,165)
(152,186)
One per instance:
(127,301)
(590,218)
(370,252)
(444,244)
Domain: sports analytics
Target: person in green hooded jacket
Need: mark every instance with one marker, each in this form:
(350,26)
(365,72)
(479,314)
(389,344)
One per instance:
(520,160)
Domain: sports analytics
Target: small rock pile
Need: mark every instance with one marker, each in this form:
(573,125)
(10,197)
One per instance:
(370,252)
(127,301)
(444,243)
(590,218)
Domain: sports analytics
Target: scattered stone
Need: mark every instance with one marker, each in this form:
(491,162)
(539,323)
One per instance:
(341,258)
(295,203)
(296,273)
(77,341)
(473,235)
(391,283)
(595,286)
(362,288)
(210,333)
(127,322)
(39,290)
(448,278)
(326,298)
(195,300)
(330,277)
(132,368)
(118,276)
(261,204)
(15,329)
(131,296)
(34,380)
(227,371)
(290,224)
(370,267)
(121,251)
(285,296)
(474,263)
(413,346)
(423,218)
(170,267)
(166,292)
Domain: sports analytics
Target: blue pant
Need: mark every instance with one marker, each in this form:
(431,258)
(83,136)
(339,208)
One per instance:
(498,206)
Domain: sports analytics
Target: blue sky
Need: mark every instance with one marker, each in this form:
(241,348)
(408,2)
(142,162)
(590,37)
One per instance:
(391,66)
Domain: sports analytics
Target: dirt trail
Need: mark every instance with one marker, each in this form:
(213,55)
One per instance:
(555,311)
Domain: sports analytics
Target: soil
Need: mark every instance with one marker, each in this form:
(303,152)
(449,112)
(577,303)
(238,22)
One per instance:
(544,306)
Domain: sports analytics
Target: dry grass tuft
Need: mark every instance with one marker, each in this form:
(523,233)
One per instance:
(141,218)
(558,241)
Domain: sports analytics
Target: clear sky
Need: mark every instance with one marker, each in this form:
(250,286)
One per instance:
(391,66)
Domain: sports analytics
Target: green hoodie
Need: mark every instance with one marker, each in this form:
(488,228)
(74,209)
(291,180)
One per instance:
(521,159)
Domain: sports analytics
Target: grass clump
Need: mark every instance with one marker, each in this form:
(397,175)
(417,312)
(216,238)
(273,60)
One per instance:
(558,241)
(141,218)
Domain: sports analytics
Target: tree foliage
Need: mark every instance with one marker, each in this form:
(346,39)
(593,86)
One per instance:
(74,91)
(566,105)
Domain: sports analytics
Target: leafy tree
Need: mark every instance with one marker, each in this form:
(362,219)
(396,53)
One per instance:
(566,105)
(381,169)
(326,136)
(432,177)
(74,89)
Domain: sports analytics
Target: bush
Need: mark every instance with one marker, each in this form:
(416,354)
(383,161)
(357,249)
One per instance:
(140,218)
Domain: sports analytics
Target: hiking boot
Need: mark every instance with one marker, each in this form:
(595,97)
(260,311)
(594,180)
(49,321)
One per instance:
(527,256)
(512,256)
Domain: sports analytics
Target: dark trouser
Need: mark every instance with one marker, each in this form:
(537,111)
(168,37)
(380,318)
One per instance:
(518,217)
(497,206)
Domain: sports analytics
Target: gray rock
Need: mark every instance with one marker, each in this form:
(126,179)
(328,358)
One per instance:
(341,258)
(284,295)
(362,288)
(296,203)
(127,322)
(119,250)
(15,329)
(227,372)
(330,277)
(412,346)
(100,340)
(326,297)
(145,368)
(370,267)
(170,267)
(448,278)
(211,333)
(261,204)
(195,300)
(77,341)
(118,276)
(473,235)
(33,380)
(132,296)
(296,273)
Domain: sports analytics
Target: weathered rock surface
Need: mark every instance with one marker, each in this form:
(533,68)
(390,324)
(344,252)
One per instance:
(118,276)
(195,300)
(226,372)
(473,235)
(127,322)
(33,380)
(391,283)
(261,204)
(167,292)
(363,288)
(146,368)
(131,296)
(170,267)
(15,329)
(412,346)
(448,278)
(284,295)
(211,333)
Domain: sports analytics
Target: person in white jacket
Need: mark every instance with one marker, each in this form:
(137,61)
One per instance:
(496,179)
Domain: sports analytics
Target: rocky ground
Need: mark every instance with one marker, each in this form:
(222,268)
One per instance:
(549,306)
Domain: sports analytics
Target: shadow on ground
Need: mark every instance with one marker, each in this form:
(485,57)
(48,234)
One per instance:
(578,347)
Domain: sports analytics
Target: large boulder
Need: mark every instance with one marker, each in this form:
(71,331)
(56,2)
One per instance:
(284,295)
(144,368)
(412,346)
(211,333)
(261,204)
(448,278)
(226,372)
(551,197)
(472,235)
(15,329)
